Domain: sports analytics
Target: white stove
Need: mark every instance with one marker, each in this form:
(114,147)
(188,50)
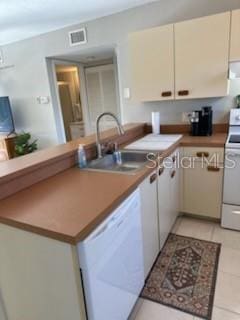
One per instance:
(231,188)
(233,140)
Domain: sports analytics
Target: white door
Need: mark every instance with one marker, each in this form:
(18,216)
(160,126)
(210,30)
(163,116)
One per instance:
(58,114)
(235,36)
(149,209)
(101,93)
(201,57)
(152,64)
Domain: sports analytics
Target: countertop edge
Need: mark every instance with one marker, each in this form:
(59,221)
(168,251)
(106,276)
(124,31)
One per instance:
(73,240)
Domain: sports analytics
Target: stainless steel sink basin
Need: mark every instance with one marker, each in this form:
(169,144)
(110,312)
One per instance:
(121,161)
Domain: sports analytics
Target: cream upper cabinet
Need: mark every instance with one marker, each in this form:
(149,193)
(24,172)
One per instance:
(152,64)
(201,57)
(235,36)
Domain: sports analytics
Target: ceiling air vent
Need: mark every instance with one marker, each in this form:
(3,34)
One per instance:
(77,37)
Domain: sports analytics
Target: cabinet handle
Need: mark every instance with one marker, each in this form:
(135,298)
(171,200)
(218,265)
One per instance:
(166,93)
(153,177)
(202,154)
(183,92)
(213,168)
(160,171)
(173,173)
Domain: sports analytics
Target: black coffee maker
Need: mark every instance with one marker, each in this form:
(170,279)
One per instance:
(201,122)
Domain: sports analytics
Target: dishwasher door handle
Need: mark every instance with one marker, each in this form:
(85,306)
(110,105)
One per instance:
(118,217)
(232,152)
(114,222)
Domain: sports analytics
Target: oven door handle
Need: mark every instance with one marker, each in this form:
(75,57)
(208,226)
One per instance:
(232,152)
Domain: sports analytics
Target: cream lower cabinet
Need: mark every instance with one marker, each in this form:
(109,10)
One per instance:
(175,191)
(235,36)
(152,64)
(202,187)
(168,196)
(149,208)
(39,278)
(201,57)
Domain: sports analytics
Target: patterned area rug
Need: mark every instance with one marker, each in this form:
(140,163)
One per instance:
(184,276)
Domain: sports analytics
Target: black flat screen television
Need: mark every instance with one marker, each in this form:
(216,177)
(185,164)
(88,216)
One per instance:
(6,118)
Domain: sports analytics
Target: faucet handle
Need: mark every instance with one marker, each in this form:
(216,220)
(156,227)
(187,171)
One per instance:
(115,146)
(108,148)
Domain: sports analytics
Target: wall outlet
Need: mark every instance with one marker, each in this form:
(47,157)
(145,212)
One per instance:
(185,117)
(126,93)
(43,100)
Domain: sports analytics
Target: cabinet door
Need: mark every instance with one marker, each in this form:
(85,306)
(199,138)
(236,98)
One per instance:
(152,64)
(201,57)
(164,204)
(235,36)
(148,190)
(202,185)
(45,276)
(175,189)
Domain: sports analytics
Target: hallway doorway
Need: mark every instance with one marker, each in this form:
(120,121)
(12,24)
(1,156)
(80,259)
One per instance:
(68,84)
(84,86)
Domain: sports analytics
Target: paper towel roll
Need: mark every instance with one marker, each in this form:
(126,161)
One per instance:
(156,122)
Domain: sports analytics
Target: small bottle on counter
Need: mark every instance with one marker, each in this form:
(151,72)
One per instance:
(82,160)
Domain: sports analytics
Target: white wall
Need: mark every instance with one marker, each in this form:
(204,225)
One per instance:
(28,79)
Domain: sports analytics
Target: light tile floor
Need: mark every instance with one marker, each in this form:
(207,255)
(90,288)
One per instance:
(227,294)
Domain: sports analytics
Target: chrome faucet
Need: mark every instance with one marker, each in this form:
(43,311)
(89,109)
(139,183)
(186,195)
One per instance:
(119,126)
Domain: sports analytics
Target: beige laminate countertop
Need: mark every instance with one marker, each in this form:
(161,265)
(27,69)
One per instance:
(69,205)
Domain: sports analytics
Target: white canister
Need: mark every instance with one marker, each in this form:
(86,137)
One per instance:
(156,122)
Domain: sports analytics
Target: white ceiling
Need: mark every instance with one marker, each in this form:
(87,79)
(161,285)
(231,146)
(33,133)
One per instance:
(21,19)
(89,55)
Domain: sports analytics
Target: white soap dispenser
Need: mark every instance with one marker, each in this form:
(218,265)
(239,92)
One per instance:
(82,160)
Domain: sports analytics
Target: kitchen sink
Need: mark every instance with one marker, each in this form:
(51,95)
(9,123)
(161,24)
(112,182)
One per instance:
(121,161)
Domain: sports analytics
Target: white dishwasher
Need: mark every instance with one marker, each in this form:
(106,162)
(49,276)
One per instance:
(111,262)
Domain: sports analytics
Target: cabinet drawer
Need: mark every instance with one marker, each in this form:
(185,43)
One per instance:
(210,154)
(230,216)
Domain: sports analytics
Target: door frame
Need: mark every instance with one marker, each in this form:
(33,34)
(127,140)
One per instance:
(57,109)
